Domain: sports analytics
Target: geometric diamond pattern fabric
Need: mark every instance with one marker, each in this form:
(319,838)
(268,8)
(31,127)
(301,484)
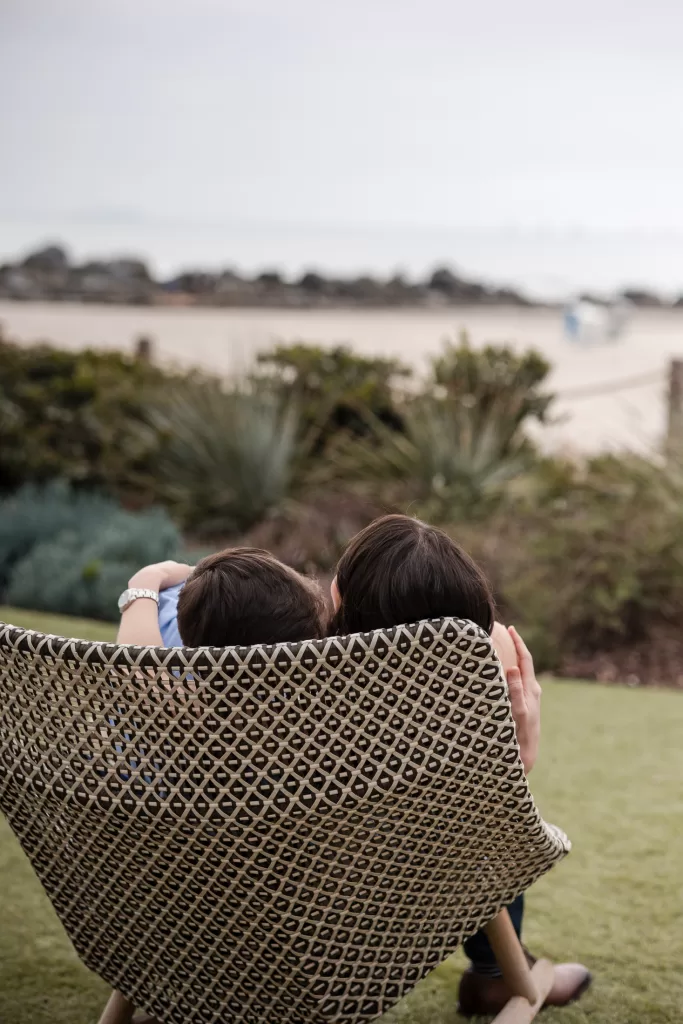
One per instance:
(292,834)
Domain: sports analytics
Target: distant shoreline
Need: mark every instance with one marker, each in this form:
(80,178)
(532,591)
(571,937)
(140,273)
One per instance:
(193,306)
(49,275)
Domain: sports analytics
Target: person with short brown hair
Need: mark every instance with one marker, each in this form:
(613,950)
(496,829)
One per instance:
(237,597)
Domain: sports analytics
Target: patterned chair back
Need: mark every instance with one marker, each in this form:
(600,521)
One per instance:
(294,833)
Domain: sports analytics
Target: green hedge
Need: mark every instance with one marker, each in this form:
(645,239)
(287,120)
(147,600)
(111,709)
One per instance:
(76,416)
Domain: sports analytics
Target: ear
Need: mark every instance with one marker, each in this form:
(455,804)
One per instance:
(335,595)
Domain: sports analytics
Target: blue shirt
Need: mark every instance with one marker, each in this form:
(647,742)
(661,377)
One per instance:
(168,616)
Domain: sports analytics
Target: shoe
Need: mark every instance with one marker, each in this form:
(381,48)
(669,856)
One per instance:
(482,995)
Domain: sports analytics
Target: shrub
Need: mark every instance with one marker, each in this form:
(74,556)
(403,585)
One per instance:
(452,450)
(35,514)
(74,553)
(75,416)
(230,455)
(616,543)
(498,383)
(590,560)
(448,461)
(336,388)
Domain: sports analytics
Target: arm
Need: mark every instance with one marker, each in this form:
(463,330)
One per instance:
(140,621)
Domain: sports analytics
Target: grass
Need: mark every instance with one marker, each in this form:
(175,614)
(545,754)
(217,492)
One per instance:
(59,625)
(609,774)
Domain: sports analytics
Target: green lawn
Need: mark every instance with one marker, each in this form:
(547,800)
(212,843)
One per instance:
(60,625)
(611,774)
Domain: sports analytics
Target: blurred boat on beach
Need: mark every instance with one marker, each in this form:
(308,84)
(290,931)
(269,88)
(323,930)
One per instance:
(596,323)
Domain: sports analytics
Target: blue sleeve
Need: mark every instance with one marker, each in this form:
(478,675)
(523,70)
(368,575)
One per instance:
(168,616)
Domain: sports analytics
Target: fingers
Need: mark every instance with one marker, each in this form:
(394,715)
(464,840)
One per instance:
(516,694)
(523,652)
(524,660)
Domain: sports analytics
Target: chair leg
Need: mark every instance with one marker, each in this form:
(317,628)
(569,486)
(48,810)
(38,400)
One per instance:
(529,986)
(519,1010)
(118,1010)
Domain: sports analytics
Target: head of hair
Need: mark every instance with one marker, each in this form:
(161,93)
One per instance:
(400,570)
(245,596)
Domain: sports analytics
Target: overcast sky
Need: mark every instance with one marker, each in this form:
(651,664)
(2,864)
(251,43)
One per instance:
(373,114)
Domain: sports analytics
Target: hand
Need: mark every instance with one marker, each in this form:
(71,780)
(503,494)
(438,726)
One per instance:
(525,698)
(160,576)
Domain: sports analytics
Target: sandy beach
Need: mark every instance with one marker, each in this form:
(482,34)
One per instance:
(629,377)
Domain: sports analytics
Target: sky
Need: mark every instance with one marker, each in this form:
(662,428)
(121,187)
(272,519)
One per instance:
(262,126)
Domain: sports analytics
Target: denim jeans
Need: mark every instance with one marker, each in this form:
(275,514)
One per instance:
(478,949)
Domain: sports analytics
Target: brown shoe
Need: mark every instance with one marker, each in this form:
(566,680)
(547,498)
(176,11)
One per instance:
(482,995)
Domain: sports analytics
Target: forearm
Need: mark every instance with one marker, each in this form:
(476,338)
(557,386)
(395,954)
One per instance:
(140,621)
(140,624)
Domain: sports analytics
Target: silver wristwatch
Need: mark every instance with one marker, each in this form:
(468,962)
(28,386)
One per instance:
(132,594)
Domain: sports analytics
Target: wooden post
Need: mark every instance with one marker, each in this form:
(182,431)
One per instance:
(674,433)
(144,348)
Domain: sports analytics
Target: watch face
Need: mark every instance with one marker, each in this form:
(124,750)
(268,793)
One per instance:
(123,601)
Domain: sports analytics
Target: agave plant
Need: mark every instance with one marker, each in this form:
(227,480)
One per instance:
(231,454)
(448,459)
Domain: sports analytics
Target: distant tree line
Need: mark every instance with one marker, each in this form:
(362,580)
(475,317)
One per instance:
(50,274)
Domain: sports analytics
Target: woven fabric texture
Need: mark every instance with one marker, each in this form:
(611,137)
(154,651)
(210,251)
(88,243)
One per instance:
(296,833)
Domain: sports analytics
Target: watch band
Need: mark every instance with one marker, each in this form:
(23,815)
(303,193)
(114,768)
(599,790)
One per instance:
(133,593)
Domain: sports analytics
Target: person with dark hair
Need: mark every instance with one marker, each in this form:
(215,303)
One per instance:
(237,597)
(399,570)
